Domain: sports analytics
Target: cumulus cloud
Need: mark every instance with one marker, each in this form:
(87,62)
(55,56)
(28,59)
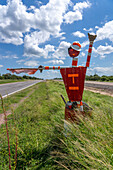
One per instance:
(32,41)
(82,54)
(55,62)
(31,63)
(88,30)
(77,13)
(78,34)
(50,16)
(32,49)
(84,43)
(50,74)
(70,17)
(16,19)
(105,32)
(31,45)
(48,49)
(103,50)
(101,70)
(62,51)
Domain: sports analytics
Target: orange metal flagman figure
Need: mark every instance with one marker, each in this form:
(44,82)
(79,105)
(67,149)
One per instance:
(73,77)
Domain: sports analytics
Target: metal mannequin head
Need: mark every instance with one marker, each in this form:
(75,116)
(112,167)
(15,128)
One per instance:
(74,49)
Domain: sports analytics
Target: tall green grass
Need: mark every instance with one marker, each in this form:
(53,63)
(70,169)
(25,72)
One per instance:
(42,140)
(9,101)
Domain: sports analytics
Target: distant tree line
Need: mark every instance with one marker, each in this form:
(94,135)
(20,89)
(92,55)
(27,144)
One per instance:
(15,77)
(96,77)
(57,78)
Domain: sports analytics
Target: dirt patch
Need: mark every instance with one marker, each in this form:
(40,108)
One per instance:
(101,91)
(14,106)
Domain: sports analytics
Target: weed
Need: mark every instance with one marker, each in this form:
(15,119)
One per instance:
(41,138)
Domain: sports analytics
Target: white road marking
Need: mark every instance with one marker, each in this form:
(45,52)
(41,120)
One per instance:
(17,90)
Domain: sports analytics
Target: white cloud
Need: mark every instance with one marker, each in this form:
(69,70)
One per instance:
(20,61)
(70,17)
(31,45)
(62,51)
(85,43)
(62,38)
(50,74)
(31,63)
(50,17)
(101,70)
(88,30)
(55,62)
(38,2)
(1,65)
(96,27)
(105,32)
(77,13)
(32,41)
(16,19)
(81,5)
(48,49)
(82,54)
(103,50)
(9,56)
(78,34)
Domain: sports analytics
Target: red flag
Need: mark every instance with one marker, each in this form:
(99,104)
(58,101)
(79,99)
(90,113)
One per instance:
(23,70)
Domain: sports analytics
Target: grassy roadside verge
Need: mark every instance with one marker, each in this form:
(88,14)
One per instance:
(9,101)
(41,142)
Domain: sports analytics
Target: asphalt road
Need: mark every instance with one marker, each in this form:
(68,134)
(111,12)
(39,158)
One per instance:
(100,85)
(10,88)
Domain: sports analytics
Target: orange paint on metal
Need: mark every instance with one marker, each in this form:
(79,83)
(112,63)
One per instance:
(74,88)
(47,67)
(75,43)
(58,67)
(73,75)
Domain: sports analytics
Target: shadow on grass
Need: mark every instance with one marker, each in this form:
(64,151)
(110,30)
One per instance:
(52,156)
(40,159)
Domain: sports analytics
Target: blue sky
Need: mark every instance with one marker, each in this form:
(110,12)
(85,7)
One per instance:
(34,33)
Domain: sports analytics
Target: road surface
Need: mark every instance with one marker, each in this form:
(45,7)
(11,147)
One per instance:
(100,85)
(11,88)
